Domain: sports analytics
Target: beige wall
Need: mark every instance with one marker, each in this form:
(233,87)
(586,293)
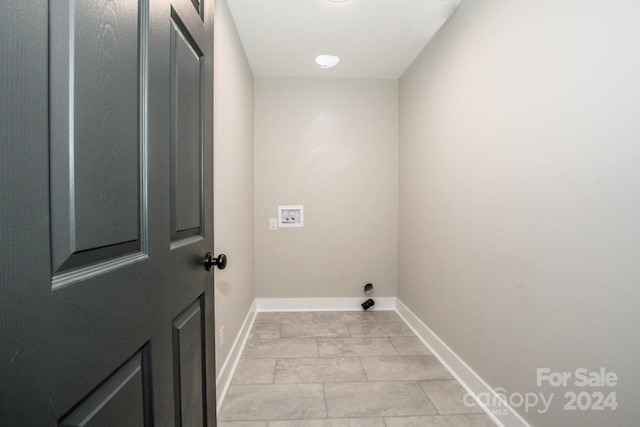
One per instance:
(330,145)
(519,239)
(233,179)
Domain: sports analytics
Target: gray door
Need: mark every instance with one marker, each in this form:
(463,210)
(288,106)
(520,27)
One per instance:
(106,309)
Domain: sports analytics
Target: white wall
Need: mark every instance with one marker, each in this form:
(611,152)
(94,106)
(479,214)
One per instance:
(330,145)
(519,238)
(233,179)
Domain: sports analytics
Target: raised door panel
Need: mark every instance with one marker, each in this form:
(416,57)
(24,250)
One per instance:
(199,5)
(186,133)
(106,134)
(189,367)
(96,137)
(122,400)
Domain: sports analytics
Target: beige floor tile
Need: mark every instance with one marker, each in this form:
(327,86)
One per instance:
(255,371)
(364,346)
(319,370)
(270,349)
(314,330)
(404,368)
(441,421)
(273,402)
(265,331)
(449,397)
(409,346)
(284,317)
(386,316)
(376,399)
(343,316)
(379,329)
(343,422)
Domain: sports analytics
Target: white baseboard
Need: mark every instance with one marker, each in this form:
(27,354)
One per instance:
(499,410)
(323,304)
(223,381)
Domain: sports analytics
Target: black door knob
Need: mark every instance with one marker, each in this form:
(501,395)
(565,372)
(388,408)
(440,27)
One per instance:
(210,261)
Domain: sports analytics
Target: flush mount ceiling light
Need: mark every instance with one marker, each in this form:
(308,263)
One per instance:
(337,1)
(327,61)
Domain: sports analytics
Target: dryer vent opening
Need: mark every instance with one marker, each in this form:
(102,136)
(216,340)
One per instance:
(368,289)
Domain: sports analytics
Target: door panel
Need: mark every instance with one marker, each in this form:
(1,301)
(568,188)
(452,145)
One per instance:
(186,136)
(106,134)
(96,141)
(188,365)
(123,400)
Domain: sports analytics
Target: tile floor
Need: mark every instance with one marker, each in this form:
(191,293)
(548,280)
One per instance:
(334,369)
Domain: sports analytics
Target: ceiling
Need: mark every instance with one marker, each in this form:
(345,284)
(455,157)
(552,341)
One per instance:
(373,38)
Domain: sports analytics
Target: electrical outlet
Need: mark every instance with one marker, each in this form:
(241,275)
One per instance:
(222,338)
(273,224)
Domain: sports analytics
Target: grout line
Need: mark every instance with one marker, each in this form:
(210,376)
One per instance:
(275,368)
(393,345)
(326,407)
(428,398)
(364,370)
